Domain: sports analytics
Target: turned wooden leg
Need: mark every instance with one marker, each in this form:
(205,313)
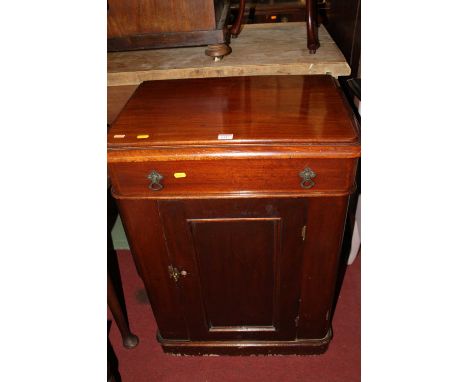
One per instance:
(128,338)
(218,51)
(235,27)
(312,30)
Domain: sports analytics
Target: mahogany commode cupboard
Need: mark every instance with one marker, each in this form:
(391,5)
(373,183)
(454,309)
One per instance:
(233,193)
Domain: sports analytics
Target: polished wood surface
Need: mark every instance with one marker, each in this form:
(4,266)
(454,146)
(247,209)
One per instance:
(238,286)
(117,97)
(228,273)
(236,26)
(129,340)
(236,256)
(326,217)
(127,17)
(297,347)
(260,110)
(312,25)
(233,177)
(246,151)
(152,24)
(198,307)
(166,40)
(141,220)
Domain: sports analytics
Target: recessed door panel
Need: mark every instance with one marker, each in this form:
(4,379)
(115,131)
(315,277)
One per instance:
(239,264)
(236,258)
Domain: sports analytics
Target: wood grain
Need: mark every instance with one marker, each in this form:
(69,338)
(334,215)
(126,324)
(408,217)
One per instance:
(125,17)
(255,110)
(261,49)
(164,154)
(298,346)
(165,40)
(312,26)
(117,97)
(232,177)
(145,236)
(237,257)
(320,264)
(239,282)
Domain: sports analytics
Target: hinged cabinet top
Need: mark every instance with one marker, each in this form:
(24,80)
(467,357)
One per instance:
(233,111)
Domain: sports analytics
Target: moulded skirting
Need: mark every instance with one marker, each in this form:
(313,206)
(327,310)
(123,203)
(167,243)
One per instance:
(299,346)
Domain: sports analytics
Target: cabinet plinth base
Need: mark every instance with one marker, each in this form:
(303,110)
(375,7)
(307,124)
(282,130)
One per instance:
(297,347)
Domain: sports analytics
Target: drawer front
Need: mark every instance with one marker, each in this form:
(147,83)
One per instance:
(231,178)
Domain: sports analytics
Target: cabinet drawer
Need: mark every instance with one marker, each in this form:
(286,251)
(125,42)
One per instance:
(200,178)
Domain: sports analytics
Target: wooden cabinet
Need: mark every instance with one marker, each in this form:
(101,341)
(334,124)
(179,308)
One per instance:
(150,24)
(233,193)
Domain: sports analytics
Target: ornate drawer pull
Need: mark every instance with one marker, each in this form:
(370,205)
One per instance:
(306,175)
(155,179)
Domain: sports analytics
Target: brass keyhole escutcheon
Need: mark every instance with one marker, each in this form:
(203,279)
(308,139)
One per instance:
(155,181)
(306,175)
(175,274)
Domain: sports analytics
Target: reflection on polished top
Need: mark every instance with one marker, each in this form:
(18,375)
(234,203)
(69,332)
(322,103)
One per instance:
(271,110)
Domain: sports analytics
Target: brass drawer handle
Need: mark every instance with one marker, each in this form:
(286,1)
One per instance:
(306,175)
(155,179)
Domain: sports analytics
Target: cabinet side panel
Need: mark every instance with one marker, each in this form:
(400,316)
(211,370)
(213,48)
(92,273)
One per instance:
(127,17)
(144,232)
(325,225)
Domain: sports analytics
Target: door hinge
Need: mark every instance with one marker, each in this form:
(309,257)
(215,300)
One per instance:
(296,321)
(175,274)
(303,233)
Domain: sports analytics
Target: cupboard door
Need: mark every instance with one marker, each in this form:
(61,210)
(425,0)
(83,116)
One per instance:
(236,265)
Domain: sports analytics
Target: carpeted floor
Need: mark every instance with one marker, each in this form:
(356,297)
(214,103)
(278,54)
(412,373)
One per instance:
(147,362)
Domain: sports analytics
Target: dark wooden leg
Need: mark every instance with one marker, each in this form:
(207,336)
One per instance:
(110,374)
(115,295)
(128,338)
(113,374)
(312,30)
(218,51)
(236,26)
